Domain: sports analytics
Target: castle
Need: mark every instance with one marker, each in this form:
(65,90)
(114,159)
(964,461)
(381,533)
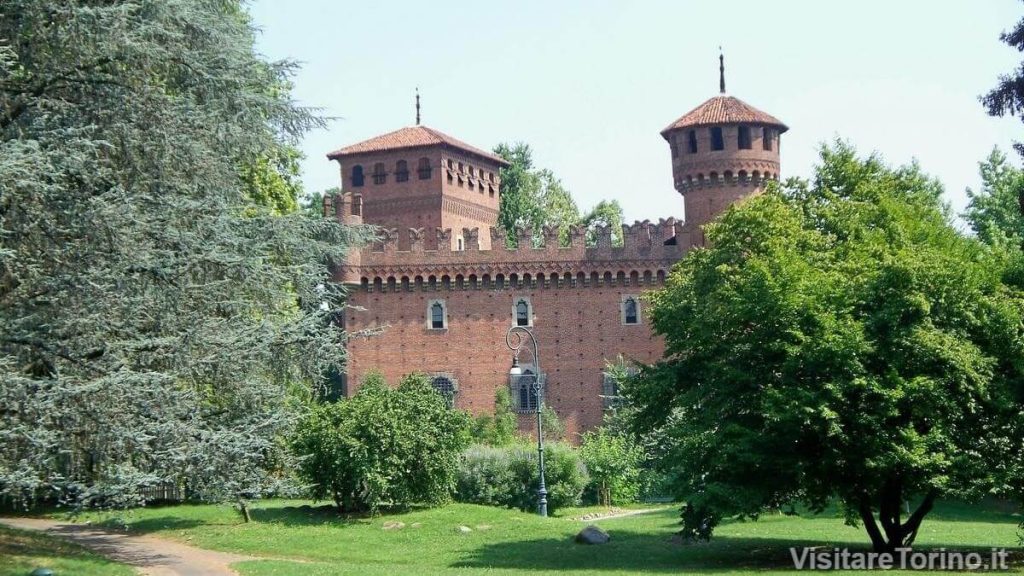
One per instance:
(444,288)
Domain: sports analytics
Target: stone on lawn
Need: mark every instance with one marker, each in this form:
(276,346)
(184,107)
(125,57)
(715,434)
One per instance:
(465,529)
(592,535)
(392,525)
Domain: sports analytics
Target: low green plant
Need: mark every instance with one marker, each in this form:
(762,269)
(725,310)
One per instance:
(384,447)
(507,476)
(499,429)
(614,464)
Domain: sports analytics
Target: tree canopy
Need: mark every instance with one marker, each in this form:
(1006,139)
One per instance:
(1008,95)
(157,309)
(839,339)
(994,212)
(532,198)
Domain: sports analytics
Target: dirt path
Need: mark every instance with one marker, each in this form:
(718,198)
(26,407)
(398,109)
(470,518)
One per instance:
(599,516)
(151,555)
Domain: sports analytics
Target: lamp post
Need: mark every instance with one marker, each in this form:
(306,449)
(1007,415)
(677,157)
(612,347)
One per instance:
(514,340)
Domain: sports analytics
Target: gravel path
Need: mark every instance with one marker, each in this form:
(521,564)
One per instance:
(151,555)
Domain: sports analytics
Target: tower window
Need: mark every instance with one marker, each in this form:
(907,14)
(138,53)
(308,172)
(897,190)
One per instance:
(357,176)
(630,310)
(744,137)
(717,141)
(446,386)
(401,171)
(767,134)
(691,138)
(522,312)
(460,245)
(437,315)
(379,175)
(424,169)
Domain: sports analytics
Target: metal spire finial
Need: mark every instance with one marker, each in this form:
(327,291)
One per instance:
(721,71)
(417,105)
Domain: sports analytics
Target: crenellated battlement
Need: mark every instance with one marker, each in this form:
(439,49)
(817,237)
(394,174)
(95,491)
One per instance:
(647,247)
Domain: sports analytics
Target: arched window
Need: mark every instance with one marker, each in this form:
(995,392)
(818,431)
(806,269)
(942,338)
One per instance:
(446,387)
(423,169)
(523,315)
(437,317)
(630,310)
(524,394)
(357,176)
(401,171)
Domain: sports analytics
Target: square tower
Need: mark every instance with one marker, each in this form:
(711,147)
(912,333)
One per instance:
(418,177)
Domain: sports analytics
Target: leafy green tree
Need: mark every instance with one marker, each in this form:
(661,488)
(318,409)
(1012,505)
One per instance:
(994,212)
(155,311)
(839,340)
(272,179)
(501,428)
(533,198)
(384,447)
(614,464)
(312,203)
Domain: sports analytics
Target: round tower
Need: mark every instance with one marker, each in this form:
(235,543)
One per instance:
(722,151)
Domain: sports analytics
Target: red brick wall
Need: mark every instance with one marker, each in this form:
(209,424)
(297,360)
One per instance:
(578,329)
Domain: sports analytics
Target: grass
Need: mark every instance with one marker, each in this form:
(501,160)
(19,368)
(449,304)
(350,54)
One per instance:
(303,540)
(22,551)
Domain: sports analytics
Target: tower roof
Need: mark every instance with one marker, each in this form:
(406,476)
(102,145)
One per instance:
(724,110)
(413,137)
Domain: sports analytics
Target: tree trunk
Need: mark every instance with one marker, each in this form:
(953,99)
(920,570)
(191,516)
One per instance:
(893,533)
(243,508)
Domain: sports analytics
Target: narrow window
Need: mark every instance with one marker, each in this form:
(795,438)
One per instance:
(717,141)
(610,391)
(522,312)
(424,169)
(436,315)
(458,242)
(692,141)
(401,171)
(523,391)
(630,312)
(357,176)
(379,176)
(744,138)
(767,134)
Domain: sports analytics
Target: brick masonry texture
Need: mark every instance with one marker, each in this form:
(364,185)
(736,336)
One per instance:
(438,243)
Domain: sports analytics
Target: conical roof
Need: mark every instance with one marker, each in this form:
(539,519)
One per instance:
(724,110)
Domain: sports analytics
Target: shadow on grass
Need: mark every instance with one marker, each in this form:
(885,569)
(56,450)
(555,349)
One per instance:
(641,552)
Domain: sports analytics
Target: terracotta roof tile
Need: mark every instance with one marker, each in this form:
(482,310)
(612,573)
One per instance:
(724,110)
(412,137)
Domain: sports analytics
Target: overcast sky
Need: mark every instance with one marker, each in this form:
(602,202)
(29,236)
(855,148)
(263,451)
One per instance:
(589,85)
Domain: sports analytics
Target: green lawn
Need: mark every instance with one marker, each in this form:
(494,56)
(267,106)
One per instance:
(315,541)
(22,551)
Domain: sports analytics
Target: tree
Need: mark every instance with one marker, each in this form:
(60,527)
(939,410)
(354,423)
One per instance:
(383,447)
(156,310)
(838,340)
(614,464)
(533,198)
(1008,95)
(994,213)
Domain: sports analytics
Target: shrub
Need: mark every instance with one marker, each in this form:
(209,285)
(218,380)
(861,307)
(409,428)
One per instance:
(507,476)
(614,464)
(383,447)
(501,429)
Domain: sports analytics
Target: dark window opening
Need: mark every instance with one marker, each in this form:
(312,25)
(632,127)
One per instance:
(629,311)
(357,176)
(717,141)
(525,392)
(446,388)
(744,138)
(424,169)
(692,141)
(522,313)
(767,135)
(379,176)
(437,316)
(401,171)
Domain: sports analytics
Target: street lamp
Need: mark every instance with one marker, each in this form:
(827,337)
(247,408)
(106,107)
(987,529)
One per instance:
(514,340)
